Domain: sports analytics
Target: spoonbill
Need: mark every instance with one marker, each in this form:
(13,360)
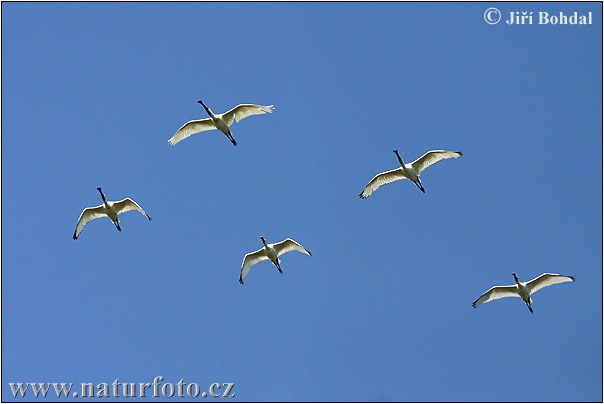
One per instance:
(522,289)
(408,171)
(110,209)
(269,252)
(220,121)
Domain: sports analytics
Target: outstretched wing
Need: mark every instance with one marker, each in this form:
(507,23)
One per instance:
(547,280)
(86,216)
(382,179)
(191,128)
(433,157)
(288,245)
(128,204)
(243,111)
(249,261)
(496,292)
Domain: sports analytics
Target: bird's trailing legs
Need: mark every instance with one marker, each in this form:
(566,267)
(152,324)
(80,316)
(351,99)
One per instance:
(230,136)
(419,185)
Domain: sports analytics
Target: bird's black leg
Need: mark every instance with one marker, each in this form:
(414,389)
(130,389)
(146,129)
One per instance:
(231,138)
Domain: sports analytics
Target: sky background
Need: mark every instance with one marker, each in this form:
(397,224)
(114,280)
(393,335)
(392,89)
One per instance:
(382,310)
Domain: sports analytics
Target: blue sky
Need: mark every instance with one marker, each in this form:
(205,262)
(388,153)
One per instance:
(381,311)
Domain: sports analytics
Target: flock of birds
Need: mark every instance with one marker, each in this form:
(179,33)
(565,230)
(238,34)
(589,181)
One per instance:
(272,252)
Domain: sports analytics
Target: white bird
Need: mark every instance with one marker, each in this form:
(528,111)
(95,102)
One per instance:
(110,209)
(522,289)
(269,252)
(220,121)
(408,171)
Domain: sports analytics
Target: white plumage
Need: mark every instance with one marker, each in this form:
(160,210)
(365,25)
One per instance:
(220,121)
(408,171)
(522,289)
(109,209)
(269,251)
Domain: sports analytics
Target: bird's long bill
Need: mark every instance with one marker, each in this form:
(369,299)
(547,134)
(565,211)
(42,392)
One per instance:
(206,108)
(102,194)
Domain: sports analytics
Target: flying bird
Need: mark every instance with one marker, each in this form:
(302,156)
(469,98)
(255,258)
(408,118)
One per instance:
(220,121)
(522,289)
(269,252)
(110,209)
(408,171)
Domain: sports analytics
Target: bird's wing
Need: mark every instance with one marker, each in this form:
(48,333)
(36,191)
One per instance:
(86,216)
(249,261)
(128,204)
(288,245)
(191,128)
(433,157)
(243,111)
(497,292)
(546,280)
(382,179)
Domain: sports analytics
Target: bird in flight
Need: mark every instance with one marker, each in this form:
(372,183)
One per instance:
(522,289)
(409,171)
(110,209)
(269,251)
(222,122)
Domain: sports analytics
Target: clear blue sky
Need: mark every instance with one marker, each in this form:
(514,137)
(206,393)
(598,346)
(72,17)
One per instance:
(381,311)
